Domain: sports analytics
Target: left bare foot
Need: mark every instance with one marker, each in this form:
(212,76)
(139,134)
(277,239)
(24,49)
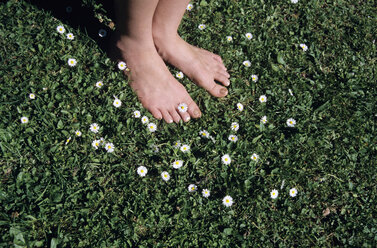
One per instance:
(200,65)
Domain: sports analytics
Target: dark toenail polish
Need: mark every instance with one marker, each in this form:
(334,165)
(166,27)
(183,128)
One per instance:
(223,91)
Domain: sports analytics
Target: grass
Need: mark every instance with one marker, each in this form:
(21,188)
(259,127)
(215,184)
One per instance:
(59,194)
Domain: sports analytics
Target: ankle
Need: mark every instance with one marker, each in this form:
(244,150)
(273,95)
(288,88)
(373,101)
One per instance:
(131,43)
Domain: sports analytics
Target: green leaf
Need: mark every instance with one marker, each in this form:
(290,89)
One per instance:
(60,124)
(281,59)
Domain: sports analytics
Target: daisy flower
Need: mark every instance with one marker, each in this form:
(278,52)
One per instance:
(246,63)
(254,157)
(78,133)
(291,122)
(24,120)
(239,106)
(293,192)
(94,127)
(304,47)
(102,141)
(229,38)
(99,84)
(144,120)
(179,75)
(206,193)
(109,147)
(233,138)
(102,33)
(117,103)
(228,201)
(177,164)
(204,134)
(189,7)
(185,148)
(70,36)
(294,1)
(274,194)
(177,144)
(60,29)
(264,119)
(202,26)
(68,140)
(72,62)
(226,159)
(96,144)
(165,176)
(263,98)
(122,65)
(152,127)
(182,107)
(234,126)
(192,188)
(254,78)
(142,171)
(137,114)
(249,36)
(32,96)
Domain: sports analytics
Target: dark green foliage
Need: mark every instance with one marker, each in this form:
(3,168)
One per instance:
(59,194)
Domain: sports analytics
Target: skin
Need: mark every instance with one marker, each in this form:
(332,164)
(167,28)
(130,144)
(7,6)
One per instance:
(146,37)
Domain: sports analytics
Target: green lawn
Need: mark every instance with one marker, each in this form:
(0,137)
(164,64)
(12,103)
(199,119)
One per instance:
(57,190)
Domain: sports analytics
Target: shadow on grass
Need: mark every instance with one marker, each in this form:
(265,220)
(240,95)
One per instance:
(80,15)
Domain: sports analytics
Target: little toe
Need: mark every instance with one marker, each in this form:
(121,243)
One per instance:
(156,113)
(220,77)
(167,117)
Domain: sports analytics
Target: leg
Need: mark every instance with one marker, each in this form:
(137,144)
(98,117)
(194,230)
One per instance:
(154,85)
(200,65)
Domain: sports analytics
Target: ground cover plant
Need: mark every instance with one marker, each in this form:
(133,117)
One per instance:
(287,159)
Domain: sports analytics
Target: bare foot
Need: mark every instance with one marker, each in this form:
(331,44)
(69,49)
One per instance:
(156,88)
(202,66)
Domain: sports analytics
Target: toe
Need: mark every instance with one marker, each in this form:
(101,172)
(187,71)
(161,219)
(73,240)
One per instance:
(167,117)
(217,90)
(213,88)
(194,110)
(175,115)
(156,113)
(220,77)
(185,116)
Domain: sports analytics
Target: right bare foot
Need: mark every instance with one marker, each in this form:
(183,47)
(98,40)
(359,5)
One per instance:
(154,85)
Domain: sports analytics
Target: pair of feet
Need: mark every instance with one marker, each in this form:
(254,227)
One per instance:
(158,91)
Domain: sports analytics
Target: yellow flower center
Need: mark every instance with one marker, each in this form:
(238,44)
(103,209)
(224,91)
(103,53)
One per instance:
(227,201)
(142,171)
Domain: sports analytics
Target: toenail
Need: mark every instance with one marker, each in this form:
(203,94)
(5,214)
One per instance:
(227,83)
(196,114)
(187,118)
(170,121)
(223,91)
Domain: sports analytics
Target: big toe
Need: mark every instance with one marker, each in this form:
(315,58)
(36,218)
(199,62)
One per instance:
(215,90)
(194,110)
